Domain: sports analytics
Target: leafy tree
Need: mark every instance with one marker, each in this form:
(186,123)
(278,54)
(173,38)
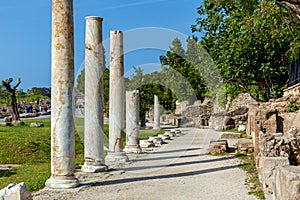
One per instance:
(252,43)
(186,64)
(148,86)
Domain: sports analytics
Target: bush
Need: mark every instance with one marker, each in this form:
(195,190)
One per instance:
(292,107)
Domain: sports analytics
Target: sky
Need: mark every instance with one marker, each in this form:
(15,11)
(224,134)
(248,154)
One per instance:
(149,26)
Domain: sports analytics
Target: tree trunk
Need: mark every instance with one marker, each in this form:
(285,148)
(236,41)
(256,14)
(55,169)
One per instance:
(15,114)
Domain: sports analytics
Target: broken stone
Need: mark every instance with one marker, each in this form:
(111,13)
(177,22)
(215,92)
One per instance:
(245,145)
(230,136)
(219,146)
(36,124)
(146,144)
(15,192)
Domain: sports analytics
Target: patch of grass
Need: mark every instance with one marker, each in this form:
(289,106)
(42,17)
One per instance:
(292,107)
(221,154)
(30,147)
(248,165)
(145,134)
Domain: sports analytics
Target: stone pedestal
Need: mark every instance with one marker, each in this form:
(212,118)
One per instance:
(94,99)
(132,122)
(116,99)
(156,121)
(62,122)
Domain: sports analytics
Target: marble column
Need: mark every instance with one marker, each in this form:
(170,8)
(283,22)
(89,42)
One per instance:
(94,97)
(156,121)
(62,121)
(132,122)
(116,100)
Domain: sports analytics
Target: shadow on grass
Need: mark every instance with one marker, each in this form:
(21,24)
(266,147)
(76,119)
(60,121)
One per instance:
(6,173)
(167,176)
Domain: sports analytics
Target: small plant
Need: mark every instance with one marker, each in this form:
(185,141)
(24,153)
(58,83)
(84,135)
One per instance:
(292,107)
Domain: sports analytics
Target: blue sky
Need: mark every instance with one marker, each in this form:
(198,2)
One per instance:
(149,26)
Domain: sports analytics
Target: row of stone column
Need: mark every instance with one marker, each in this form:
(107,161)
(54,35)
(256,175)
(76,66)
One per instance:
(62,121)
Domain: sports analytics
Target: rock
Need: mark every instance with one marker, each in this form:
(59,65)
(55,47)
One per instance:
(287,182)
(266,168)
(245,145)
(241,127)
(219,146)
(36,124)
(7,119)
(146,144)
(15,192)
(230,136)
(5,124)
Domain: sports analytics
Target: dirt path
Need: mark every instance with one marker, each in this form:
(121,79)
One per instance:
(179,170)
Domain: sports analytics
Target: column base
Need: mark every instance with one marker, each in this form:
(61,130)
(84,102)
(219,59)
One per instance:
(62,182)
(92,167)
(116,157)
(133,149)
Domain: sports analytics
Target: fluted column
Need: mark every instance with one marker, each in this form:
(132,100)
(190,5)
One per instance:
(62,122)
(156,121)
(132,122)
(94,97)
(116,99)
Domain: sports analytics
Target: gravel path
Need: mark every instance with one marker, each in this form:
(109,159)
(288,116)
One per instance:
(178,170)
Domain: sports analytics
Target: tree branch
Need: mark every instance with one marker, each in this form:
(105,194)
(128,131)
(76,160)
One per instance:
(293,6)
(18,83)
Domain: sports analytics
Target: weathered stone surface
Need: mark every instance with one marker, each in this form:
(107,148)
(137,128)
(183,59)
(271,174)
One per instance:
(217,121)
(36,124)
(132,122)
(62,122)
(116,99)
(287,183)
(15,192)
(5,124)
(94,97)
(230,136)
(219,146)
(146,144)
(7,119)
(266,171)
(156,121)
(245,145)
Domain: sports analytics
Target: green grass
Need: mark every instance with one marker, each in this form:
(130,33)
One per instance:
(145,134)
(252,181)
(30,147)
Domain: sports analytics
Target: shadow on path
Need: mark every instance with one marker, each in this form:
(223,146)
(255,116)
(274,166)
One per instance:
(177,150)
(177,164)
(167,176)
(168,157)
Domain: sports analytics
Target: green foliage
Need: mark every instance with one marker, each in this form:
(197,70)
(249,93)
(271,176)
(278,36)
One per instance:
(189,81)
(148,86)
(252,43)
(292,107)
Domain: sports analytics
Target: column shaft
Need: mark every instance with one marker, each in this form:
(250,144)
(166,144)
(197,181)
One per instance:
(62,122)
(94,97)
(116,99)
(156,121)
(132,122)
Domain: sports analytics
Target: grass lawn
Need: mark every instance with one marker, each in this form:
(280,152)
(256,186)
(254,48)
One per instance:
(31,147)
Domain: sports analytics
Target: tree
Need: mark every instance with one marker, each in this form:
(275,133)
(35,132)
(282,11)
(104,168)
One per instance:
(148,86)
(12,91)
(182,70)
(252,43)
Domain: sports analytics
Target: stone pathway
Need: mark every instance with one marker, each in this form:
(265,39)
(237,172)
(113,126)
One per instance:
(178,170)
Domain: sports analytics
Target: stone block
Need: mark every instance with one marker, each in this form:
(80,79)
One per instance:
(266,168)
(7,119)
(146,144)
(287,183)
(241,127)
(15,192)
(219,146)
(5,124)
(230,136)
(36,124)
(245,145)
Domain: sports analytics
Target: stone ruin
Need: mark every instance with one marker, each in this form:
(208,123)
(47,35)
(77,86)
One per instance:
(276,138)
